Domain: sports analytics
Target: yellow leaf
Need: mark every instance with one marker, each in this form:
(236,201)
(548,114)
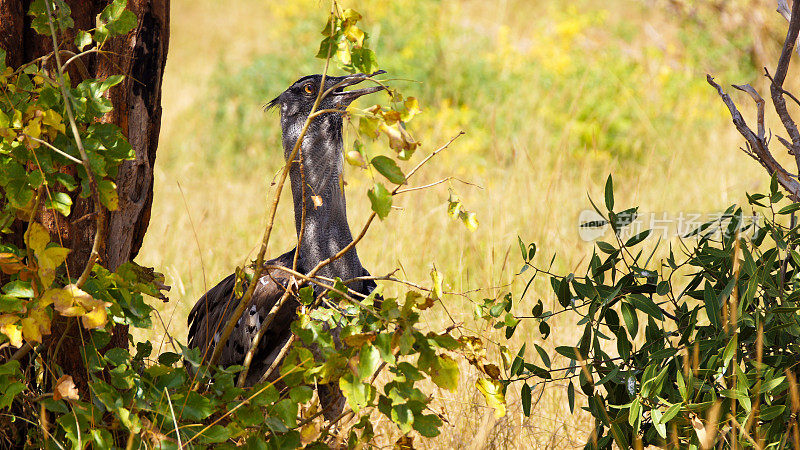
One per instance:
(354,158)
(57,296)
(343,53)
(49,259)
(355,35)
(411,109)
(37,238)
(436,276)
(65,388)
(351,16)
(42,319)
(30,329)
(34,129)
(8,326)
(73,302)
(309,433)
(53,120)
(96,318)
(391,117)
(10,263)
(470,220)
(78,295)
(492,391)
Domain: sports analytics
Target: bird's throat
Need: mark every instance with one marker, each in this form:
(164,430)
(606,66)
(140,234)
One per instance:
(319,205)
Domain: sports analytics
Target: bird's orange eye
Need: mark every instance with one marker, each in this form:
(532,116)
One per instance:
(308,88)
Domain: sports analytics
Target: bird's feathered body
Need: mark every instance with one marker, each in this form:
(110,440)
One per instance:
(214,309)
(320,212)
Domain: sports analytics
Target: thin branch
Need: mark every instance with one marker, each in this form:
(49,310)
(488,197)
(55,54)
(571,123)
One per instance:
(758,145)
(776,87)
(101,216)
(278,359)
(363,232)
(248,358)
(53,148)
(759,105)
(174,420)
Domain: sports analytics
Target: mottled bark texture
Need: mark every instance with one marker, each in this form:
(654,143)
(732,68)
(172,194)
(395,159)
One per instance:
(140,56)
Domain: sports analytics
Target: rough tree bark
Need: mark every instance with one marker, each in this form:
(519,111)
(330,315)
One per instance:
(140,56)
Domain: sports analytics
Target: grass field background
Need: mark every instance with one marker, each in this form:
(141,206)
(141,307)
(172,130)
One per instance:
(553,96)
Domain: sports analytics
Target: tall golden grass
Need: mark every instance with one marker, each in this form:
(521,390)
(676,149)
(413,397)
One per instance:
(539,138)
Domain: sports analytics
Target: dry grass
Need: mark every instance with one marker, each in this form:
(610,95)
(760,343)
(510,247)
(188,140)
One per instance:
(534,172)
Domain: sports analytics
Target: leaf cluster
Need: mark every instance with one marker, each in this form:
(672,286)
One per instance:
(704,339)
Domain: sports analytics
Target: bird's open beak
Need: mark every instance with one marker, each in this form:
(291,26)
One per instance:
(344,98)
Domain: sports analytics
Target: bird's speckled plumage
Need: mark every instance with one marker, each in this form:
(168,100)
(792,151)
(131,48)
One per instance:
(325,232)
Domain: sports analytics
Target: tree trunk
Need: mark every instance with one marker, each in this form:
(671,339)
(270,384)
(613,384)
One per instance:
(140,56)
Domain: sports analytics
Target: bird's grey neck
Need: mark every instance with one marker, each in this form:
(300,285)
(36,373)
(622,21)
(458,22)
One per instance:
(324,225)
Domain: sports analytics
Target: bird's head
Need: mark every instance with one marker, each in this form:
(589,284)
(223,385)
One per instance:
(296,102)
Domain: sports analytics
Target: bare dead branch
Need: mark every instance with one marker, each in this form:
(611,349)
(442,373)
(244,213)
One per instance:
(785,92)
(759,104)
(758,145)
(776,87)
(783,10)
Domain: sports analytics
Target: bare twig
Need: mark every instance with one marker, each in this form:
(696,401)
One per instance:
(759,104)
(174,420)
(783,10)
(776,87)
(363,232)
(278,359)
(757,145)
(53,148)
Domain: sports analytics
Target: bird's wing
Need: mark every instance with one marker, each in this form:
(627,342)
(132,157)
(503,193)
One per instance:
(212,312)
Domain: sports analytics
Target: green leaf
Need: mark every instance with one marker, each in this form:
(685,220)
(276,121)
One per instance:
(568,351)
(646,305)
(543,354)
(108,194)
(427,425)
(768,386)
(388,168)
(571,396)
(358,394)
(639,237)
(788,209)
(525,395)
(60,202)
(635,412)
(368,361)
(630,317)
(65,180)
(215,434)
(712,309)
(18,288)
(671,412)
(82,40)
(381,200)
(730,351)
(403,417)
(610,193)
(286,410)
(301,394)
(445,373)
(124,24)
(770,412)
(10,391)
